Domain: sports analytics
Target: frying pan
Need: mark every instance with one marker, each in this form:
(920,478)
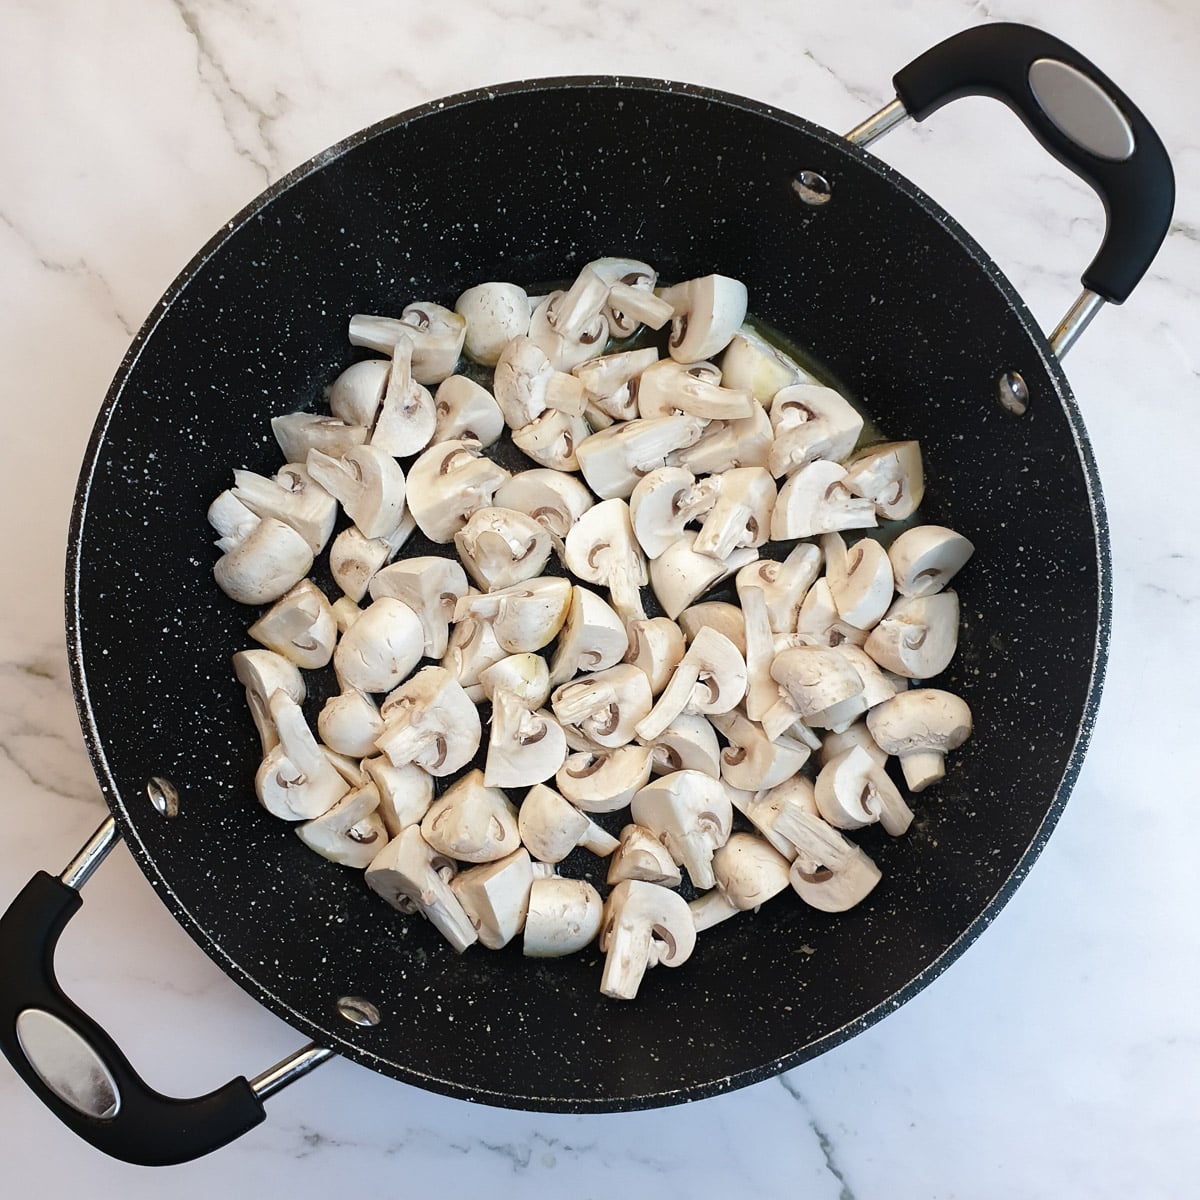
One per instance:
(527,182)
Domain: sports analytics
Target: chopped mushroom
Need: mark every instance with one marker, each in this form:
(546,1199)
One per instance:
(437,334)
(748,871)
(592,637)
(553,439)
(669,388)
(708,312)
(710,678)
(369,484)
(564,916)
(610,383)
(829,871)
(750,361)
(917,636)
(262,672)
(745,442)
(299,433)
(689,743)
(640,855)
(269,558)
(663,502)
(644,926)
(405,793)
(495,314)
(292,497)
(431,586)
(525,616)
(356,394)
(920,726)
(349,723)
(692,815)
(891,476)
(725,618)
(815,677)
(383,645)
(656,646)
(816,500)
(784,584)
(471,649)
(431,721)
(408,416)
(741,515)
(811,422)
(471,822)
(615,459)
(525,745)
(501,547)
(854,790)
(603,781)
(763,809)
(926,557)
(679,575)
(300,626)
(495,896)
(752,760)
(295,781)
(551,498)
(604,706)
(860,579)
(525,675)
(351,833)
(447,483)
(601,548)
(466,410)
(551,827)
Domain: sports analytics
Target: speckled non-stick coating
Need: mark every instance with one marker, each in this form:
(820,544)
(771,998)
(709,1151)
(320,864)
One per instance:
(527,183)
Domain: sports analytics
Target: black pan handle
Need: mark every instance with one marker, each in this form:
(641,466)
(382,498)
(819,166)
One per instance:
(1079,115)
(72,1064)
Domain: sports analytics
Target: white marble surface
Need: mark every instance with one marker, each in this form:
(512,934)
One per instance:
(1061,1055)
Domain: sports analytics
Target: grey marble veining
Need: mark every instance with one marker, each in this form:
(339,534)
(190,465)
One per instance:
(1061,1055)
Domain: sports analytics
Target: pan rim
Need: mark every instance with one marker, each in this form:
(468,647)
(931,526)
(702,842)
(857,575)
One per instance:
(121,806)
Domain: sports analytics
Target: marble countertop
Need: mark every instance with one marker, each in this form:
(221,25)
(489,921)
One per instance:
(1061,1055)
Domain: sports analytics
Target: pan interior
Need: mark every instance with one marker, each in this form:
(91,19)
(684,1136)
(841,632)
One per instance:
(527,183)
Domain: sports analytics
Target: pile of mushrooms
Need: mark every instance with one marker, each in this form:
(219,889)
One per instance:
(687,734)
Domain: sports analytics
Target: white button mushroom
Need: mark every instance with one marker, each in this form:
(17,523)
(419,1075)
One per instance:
(564,916)
(750,361)
(525,745)
(526,675)
(833,745)
(525,616)
(354,559)
(670,388)
(854,790)
(917,637)
(527,385)
(413,877)
(571,326)
(471,649)
(829,872)
(495,896)
(748,871)
(926,557)
(431,586)
(500,547)
(725,618)
(405,793)
(664,501)
(407,417)
(762,691)
(656,647)
(471,822)
(741,515)
(295,781)
(640,855)
(627,273)
(708,312)
(816,500)
(784,584)
(349,723)
(921,726)
(495,314)
(629,306)
(689,743)
(763,809)
(601,548)
(644,926)
(351,833)
(300,626)
(553,439)
(819,622)
(604,706)
(710,678)
(551,498)
(753,761)
(891,476)
(292,497)
(551,827)
(383,645)
(437,334)
(592,638)
(262,672)
(815,677)
(602,781)
(369,484)
(298,433)
(610,382)
(745,442)
(466,410)
(269,558)
(431,721)
(691,813)
(811,422)
(679,575)
(447,483)
(860,579)
(615,459)
(356,394)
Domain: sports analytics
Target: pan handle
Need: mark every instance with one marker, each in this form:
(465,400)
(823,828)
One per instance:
(77,1070)
(1080,116)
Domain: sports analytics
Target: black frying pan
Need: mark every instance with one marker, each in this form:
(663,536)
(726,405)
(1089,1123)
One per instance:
(526,183)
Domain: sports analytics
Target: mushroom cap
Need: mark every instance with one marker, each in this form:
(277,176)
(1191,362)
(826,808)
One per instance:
(349,723)
(592,637)
(524,616)
(383,645)
(356,394)
(725,618)
(656,646)
(709,311)
(300,626)
(295,780)
(815,677)
(835,744)
(784,584)
(688,743)
(749,870)
(550,497)
(471,822)
(526,675)
(495,314)
(753,761)
(860,579)
(692,814)
(564,916)
(679,575)
(500,547)
(269,560)
(811,422)
(550,826)
(926,557)
(431,586)
(354,559)
(816,500)
(465,410)
(640,855)
(495,896)
(920,719)
(405,793)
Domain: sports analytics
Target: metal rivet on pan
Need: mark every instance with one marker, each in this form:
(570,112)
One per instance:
(1014,393)
(163,795)
(812,188)
(358,1011)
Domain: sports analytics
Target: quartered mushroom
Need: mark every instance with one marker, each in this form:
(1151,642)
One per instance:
(748,872)
(345,613)
(349,722)
(815,677)
(602,781)
(762,690)
(551,827)
(295,780)
(467,410)
(525,616)
(350,769)
(447,483)
(354,558)
(829,871)
(495,896)
(527,385)
(351,833)
(551,498)
(854,790)
(570,326)
(379,650)
(610,383)
(644,926)
(917,636)
(745,442)
(689,743)
(859,578)
(640,855)
(752,761)
(292,497)
(741,514)
(495,313)
(412,876)
(431,721)
(708,312)
(920,727)
(692,815)
(261,561)
(564,916)
(891,476)
(751,362)
(631,300)
(408,416)
(615,459)
(669,388)
(300,626)
(471,822)
(763,809)
(601,548)
(604,706)
(553,439)
(431,586)
(656,646)
(500,547)
(356,394)
(664,501)
(592,637)
(820,624)
(525,675)
(710,678)
(926,557)
(437,335)
(720,615)
(810,422)
(298,433)
(368,483)
(472,648)
(525,745)
(405,793)
(262,672)
(784,584)
(816,500)
(679,575)
(833,745)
